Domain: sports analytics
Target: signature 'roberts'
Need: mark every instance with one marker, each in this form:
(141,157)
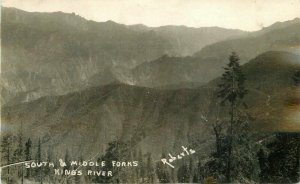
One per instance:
(171,158)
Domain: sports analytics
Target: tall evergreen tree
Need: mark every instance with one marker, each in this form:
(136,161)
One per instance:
(49,170)
(39,152)
(199,172)
(150,169)
(141,168)
(238,138)
(6,147)
(39,170)
(18,155)
(116,151)
(162,172)
(28,157)
(183,174)
(231,90)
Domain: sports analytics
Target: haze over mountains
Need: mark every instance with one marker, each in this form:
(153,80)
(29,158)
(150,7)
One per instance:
(55,53)
(81,84)
(279,36)
(188,40)
(76,89)
(211,59)
(181,117)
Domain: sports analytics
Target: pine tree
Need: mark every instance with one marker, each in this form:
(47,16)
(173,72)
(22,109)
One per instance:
(231,90)
(39,152)
(6,145)
(49,170)
(18,155)
(162,172)
(39,170)
(183,174)
(150,169)
(200,171)
(116,151)
(141,172)
(239,152)
(191,168)
(28,146)
(173,176)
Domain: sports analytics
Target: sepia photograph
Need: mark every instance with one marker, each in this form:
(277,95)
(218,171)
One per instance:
(150,91)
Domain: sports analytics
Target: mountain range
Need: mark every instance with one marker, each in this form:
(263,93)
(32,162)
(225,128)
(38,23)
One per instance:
(208,63)
(149,115)
(80,84)
(56,53)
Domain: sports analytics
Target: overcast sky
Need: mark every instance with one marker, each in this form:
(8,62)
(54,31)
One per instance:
(240,14)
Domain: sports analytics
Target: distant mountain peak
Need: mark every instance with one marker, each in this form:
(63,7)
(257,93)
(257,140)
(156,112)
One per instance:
(110,22)
(283,24)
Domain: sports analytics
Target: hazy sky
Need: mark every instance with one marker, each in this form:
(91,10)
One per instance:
(241,14)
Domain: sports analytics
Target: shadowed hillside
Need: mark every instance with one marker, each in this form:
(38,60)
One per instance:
(283,36)
(56,53)
(207,64)
(102,114)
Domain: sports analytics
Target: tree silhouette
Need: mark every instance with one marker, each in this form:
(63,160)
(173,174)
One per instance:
(162,172)
(239,153)
(6,145)
(231,90)
(28,146)
(38,159)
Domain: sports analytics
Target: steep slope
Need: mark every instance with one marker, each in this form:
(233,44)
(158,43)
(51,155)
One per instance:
(278,25)
(90,119)
(278,37)
(175,71)
(272,96)
(207,64)
(272,90)
(86,121)
(56,53)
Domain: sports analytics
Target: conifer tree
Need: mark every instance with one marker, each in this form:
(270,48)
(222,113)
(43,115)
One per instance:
(28,157)
(49,170)
(141,172)
(183,174)
(39,170)
(150,169)
(18,155)
(162,172)
(116,151)
(231,90)
(6,146)
(240,149)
